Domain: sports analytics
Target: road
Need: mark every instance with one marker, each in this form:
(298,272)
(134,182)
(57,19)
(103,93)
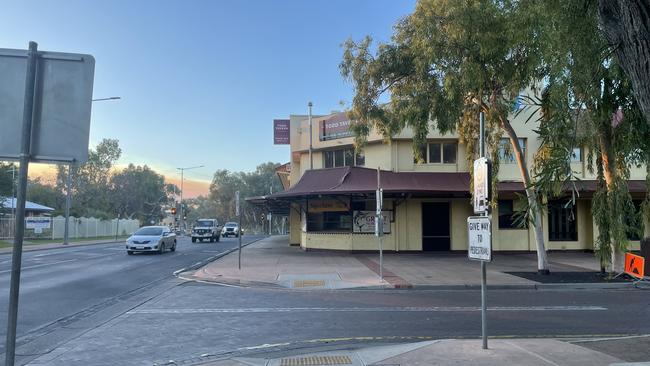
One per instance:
(79,287)
(97,306)
(192,321)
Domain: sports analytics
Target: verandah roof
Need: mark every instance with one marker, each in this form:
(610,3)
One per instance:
(359,180)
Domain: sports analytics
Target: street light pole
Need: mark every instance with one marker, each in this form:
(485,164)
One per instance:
(311,157)
(68,199)
(182,178)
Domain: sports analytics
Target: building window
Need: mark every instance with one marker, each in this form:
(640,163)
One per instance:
(507,215)
(506,154)
(329,221)
(342,157)
(439,152)
(562,221)
(576,155)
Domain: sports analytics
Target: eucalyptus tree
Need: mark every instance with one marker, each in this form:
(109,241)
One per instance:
(447,62)
(588,101)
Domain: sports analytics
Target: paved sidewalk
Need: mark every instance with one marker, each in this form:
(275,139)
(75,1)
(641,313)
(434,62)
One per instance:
(529,352)
(34,247)
(272,262)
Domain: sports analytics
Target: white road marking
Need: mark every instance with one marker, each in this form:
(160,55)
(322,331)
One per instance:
(376,309)
(41,265)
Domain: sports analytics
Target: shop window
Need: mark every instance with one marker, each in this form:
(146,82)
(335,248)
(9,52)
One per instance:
(562,221)
(342,157)
(506,154)
(329,221)
(439,152)
(507,218)
(633,223)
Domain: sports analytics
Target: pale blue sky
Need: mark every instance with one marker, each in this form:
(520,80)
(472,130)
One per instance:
(201,81)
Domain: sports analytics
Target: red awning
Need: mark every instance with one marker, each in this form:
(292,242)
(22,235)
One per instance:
(350,180)
(358,180)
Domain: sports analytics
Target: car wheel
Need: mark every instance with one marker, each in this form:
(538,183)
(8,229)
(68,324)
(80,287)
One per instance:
(193,240)
(212,239)
(218,238)
(129,252)
(173,249)
(161,248)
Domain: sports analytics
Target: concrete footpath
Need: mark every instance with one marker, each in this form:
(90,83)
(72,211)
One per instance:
(273,263)
(529,352)
(35,247)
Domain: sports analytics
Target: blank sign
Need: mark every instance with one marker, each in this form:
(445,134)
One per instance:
(63,99)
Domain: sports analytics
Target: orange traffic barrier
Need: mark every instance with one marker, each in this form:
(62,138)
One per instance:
(634,265)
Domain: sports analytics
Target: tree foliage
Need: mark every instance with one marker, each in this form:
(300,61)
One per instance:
(446,63)
(139,192)
(588,102)
(257,183)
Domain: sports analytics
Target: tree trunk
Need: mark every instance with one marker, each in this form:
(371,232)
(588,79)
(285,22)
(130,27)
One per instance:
(610,175)
(531,195)
(626,24)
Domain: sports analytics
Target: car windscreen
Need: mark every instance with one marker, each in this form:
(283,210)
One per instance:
(231,224)
(149,231)
(203,223)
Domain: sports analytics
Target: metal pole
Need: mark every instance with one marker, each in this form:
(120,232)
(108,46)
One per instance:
(483,264)
(239,237)
(13,191)
(380,202)
(311,157)
(25,151)
(117,227)
(182,217)
(68,198)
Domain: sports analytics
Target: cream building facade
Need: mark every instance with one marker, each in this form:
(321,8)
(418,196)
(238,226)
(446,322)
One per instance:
(331,193)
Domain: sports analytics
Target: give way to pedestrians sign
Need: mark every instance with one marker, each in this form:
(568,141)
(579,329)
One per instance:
(480,238)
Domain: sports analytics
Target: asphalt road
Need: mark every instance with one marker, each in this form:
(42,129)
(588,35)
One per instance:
(193,321)
(97,306)
(60,287)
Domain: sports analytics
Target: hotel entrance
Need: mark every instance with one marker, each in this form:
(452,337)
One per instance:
(435,227)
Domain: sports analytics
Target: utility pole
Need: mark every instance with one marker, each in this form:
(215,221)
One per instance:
(68,199)
(182,179)
(311,156)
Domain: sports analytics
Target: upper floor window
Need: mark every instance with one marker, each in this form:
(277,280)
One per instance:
(343,157)
(440,152)
(506,153)
(576,155)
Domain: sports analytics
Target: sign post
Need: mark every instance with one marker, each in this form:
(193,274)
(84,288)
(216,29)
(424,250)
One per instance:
(238,214)
(479,227)
(44,117)
(379,223)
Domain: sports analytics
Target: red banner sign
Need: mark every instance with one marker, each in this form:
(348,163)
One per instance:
(281,132)
(335,127)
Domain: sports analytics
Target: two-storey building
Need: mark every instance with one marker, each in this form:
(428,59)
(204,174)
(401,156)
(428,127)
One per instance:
(331,195)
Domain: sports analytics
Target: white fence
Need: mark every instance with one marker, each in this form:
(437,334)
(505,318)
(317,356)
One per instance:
(82,227)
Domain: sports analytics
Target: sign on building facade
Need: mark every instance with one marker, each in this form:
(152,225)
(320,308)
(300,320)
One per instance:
(335,127)
(364,221)
(281,135)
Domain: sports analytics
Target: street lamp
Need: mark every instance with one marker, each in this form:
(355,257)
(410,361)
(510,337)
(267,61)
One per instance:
(68,193)
(182,171)
(109,98)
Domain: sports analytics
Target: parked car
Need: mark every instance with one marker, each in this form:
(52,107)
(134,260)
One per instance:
(231,229)
(151,239)
(207,229)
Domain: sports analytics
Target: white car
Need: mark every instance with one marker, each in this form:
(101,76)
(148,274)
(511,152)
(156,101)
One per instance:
(151,239)
(230,229)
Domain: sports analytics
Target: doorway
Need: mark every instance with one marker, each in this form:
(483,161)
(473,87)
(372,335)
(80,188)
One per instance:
(435,227)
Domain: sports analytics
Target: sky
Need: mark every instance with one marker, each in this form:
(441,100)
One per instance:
(201,81)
